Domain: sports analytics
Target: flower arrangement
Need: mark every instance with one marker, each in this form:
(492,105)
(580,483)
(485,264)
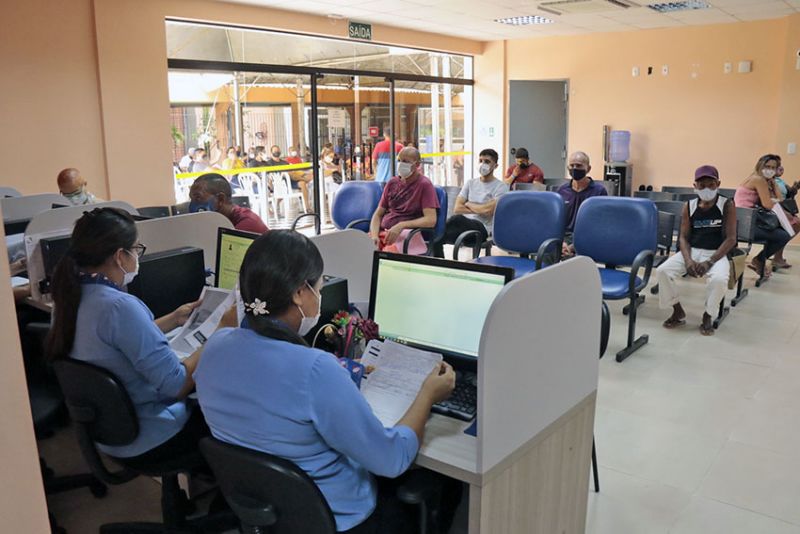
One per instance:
(349,334)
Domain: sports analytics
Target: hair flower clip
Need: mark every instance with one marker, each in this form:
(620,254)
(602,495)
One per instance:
(257,307)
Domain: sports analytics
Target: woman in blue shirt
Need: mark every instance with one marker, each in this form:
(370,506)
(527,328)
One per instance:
(96,321)
(262,387)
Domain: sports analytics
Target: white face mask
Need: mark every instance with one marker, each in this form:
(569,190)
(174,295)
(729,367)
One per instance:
(293,153)
(404,170)
(128,277)
(706,194)
(768,173)
(485,169)
(307,323)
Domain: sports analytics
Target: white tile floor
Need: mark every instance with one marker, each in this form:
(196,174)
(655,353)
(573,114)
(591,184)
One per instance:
(694,434)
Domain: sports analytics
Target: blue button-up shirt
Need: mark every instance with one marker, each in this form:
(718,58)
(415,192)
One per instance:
(115,331)
(299,404)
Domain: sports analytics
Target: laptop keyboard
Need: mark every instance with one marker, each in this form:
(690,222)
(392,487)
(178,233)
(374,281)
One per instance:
(463,403)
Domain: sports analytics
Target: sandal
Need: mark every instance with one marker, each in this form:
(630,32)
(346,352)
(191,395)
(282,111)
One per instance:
(781,264)
(672,322)
(706,330)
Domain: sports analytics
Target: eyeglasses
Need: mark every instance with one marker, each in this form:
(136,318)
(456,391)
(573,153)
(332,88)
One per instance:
(139,249)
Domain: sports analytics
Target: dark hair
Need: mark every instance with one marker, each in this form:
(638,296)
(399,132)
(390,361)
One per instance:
(97,235)
(521,153)
(489,152)
(766,158)
(215,183)
(276,265)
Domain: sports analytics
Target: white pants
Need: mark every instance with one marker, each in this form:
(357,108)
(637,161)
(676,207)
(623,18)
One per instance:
(675,266)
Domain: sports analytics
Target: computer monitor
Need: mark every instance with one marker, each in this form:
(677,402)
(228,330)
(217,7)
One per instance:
(231,248)
(53,249)
(434,304)
(16,226)
(169,279)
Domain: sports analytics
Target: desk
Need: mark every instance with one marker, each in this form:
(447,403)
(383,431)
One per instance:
(528,467)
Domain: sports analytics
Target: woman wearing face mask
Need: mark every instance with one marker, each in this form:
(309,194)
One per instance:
(262,387)
(96,321)
(785,192)
(759,189)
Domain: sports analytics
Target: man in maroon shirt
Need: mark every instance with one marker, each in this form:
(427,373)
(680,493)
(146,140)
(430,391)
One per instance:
(212,192)
(523,172)
(408,201)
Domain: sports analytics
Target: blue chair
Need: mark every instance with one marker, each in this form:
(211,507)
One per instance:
(620,232)
(526,223)
(433,236)
(354,204)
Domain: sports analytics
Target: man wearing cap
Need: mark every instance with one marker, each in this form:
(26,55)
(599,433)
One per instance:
(523,172)
(708,234)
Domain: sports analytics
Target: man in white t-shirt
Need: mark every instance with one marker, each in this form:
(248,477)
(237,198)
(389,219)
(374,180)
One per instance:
(475,204)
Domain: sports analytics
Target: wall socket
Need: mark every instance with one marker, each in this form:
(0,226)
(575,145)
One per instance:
(792,148)
(635,72)
(728,67)
(664,70)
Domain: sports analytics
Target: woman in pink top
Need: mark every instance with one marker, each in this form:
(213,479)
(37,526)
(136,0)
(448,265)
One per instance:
(758,189)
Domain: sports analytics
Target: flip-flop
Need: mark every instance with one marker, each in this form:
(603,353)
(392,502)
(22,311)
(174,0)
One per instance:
(706,331)
(673,323)
(783,265)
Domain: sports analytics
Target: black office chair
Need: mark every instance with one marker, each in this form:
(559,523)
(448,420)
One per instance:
(103,413)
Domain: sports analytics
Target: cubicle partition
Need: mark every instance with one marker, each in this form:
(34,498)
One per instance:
(348,254)
(528,466)
(15,208)
(190,230)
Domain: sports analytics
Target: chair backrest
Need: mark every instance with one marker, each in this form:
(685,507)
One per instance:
(614,230)
(557,182)
(281,185)
(180,209)
(678,189)
(266,491)
(654,195)
(97,402)
(535,186)
(154,212)
(523,220)
(727,193)
(674,207)
(745,224)
(441,214)
(685,197)
(242,201)
(452,195)
(666,224)
(611,187)
(354,201)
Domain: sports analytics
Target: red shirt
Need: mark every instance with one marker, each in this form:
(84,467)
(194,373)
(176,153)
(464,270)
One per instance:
(294,160)
(405,201)
(382,147)
(528,175)
(244,219)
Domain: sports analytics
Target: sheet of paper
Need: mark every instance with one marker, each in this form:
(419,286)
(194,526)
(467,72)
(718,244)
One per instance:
(17,281)
(399,373)
(783,219)
(203,321)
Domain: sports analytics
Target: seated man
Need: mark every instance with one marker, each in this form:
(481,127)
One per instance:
(523,172)
(475,204)
(708,234)
(212,192)
(409,201)
(575,192)
(72,186)
(300,178)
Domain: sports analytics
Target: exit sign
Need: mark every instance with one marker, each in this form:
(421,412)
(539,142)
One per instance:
(359,30)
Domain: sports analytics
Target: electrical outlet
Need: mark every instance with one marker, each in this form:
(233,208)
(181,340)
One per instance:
(791,149)
(664,70)
(635,72)
(728,68)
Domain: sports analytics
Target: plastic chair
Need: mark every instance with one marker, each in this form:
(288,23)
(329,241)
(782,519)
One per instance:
(526,223)
(249,187)
(282,191)
(434,235)
(654,195)
(620,232)
(103,413)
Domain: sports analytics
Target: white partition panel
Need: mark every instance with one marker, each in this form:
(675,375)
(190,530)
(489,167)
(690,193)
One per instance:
(9,192)
(64,218)
(538,356)
(348,254)
(26,207)
(190,230)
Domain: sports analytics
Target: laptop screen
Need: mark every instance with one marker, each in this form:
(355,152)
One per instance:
(231,248)
(434,304)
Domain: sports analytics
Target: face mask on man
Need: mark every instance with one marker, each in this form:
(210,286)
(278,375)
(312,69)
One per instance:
(307,323)
(128,277)
(768,173)
(77,198)
(706,194)
(276,153)
(577,173)
(405,169)
(485,169)
(209,205)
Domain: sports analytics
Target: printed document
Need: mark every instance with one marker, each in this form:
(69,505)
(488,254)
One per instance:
(203,321)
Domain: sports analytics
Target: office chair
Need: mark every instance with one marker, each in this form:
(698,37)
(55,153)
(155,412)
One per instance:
(154,212)
(620,231)
(271,494)
(527,223)
(103,413)
(654,195)
(433,236)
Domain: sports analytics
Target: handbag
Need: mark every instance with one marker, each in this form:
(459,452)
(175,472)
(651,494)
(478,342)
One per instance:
(789,206)
(766,220)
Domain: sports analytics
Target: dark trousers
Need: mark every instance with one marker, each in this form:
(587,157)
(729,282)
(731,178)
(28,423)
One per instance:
(184,442)
(455,226)
(775,240)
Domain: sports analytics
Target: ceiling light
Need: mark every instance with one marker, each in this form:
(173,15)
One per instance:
(668,7)
(525,20)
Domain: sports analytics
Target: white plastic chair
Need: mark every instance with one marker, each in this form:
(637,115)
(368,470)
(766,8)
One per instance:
(282,190)
(254,188)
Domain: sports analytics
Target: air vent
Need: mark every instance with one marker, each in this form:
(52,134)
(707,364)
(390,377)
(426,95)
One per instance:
(562,7)
(525,20)
(687,5)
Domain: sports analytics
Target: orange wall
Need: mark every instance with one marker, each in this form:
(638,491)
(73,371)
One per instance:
(789,111)
(679,121)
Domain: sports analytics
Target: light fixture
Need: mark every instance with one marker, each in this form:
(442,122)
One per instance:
(525,20)
(668,7)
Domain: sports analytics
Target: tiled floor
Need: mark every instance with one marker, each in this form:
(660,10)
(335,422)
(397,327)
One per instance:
(694,434)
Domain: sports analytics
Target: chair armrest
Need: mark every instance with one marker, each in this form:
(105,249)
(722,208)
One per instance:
(543,250)
(476,248)
(418,486)
(643,259)
(352,224)
(96,464)
(303,215)
(411,234)
(605,328)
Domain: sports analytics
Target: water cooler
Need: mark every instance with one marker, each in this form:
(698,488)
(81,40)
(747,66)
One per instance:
(617,168)
(621,173)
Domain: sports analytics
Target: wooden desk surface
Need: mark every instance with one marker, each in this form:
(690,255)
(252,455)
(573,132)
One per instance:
(448,450)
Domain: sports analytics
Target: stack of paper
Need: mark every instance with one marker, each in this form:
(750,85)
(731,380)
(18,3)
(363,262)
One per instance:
(203,321)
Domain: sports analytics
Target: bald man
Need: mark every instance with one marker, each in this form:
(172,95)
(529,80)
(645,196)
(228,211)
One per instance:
(72,186)
(408,201)
(580,187)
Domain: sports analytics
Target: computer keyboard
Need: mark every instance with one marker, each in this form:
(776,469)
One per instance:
(463,403)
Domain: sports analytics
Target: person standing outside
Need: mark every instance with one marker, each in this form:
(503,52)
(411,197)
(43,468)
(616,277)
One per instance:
(382,156)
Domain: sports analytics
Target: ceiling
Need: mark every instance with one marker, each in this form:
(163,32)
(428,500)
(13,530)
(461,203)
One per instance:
(474,19)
